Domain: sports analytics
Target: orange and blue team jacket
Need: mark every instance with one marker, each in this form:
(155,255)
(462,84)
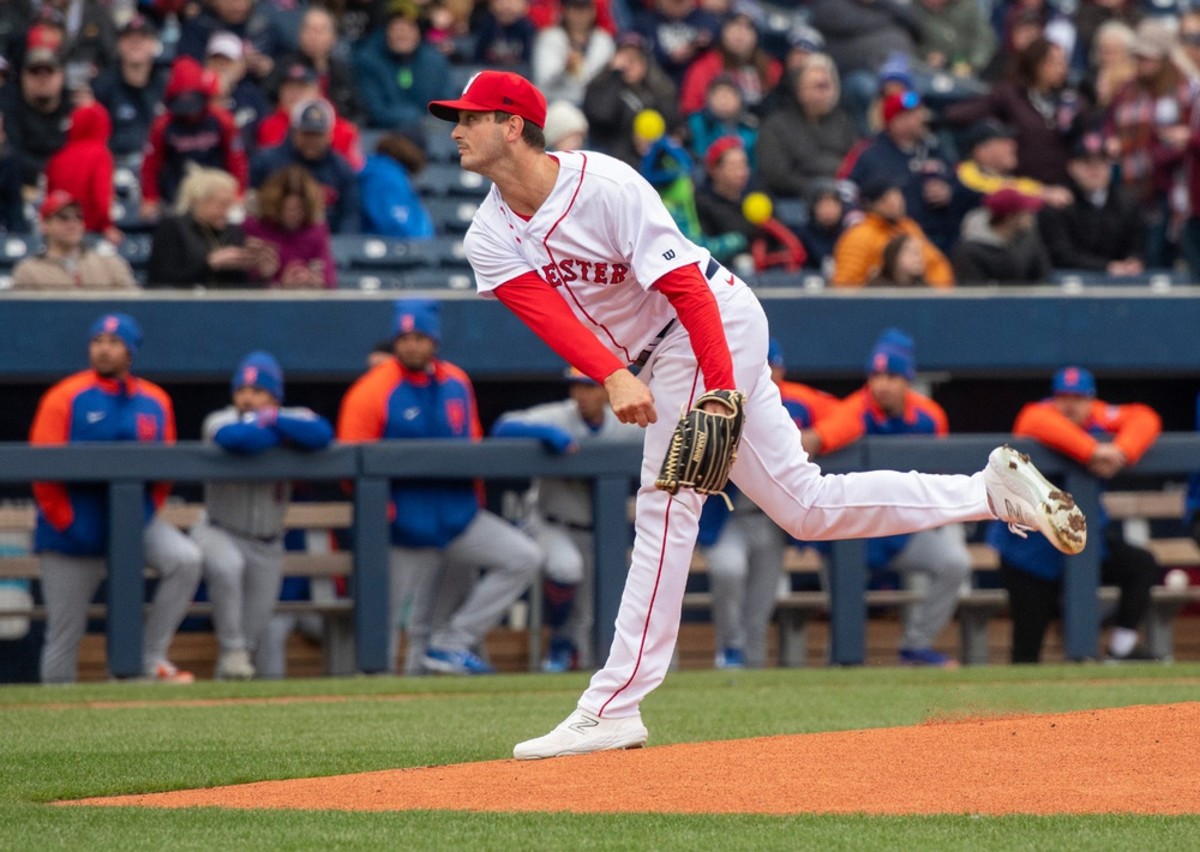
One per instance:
(806,405)
(390,402)
(859,415)
(88,408)
(1133,427)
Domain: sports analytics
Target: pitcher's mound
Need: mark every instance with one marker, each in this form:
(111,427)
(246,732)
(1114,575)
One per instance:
(1141,760)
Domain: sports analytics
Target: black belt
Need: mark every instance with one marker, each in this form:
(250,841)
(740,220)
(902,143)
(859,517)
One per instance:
(550,519)
(710,272)
(645,354)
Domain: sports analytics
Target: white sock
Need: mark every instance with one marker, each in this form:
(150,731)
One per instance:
(1122,641)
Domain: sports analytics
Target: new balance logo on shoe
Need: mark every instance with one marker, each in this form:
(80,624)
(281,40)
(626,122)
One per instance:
(585,722)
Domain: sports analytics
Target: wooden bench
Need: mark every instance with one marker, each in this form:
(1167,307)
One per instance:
(978,607)
(337,613)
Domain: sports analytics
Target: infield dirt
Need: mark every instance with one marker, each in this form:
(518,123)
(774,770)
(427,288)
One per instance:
(1133,760)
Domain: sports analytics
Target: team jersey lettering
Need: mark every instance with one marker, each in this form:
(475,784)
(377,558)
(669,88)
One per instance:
(572,269)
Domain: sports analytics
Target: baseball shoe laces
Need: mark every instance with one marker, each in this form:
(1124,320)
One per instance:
(1026,500)
(582,733)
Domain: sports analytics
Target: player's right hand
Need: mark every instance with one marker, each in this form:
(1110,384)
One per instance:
(630,399)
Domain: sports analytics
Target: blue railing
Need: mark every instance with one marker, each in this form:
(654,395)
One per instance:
(611,468)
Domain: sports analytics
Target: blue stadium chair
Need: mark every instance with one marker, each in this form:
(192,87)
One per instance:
(450,179)
(792,212)
(436,279)
(451,215)
(16,247)
(361,252)
(439,147)
(437,253)
(135,248)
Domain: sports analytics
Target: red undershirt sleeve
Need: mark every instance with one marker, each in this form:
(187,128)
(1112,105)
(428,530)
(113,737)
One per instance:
(693,301)
(536,304)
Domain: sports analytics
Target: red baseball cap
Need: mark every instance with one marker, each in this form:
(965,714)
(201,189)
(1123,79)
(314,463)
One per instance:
(898,102)
(57,201)
(712,157)
(1009,201)
(492,91)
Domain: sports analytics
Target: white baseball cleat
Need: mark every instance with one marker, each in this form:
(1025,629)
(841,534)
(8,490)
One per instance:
(583,732)
(1020,495)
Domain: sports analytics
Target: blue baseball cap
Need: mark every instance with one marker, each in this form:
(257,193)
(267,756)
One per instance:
(123,326)
(259,370)
(1074,380)
(775,353)
(893,353)
(420,316)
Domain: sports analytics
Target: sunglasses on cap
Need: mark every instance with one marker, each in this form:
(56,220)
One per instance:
(68,215)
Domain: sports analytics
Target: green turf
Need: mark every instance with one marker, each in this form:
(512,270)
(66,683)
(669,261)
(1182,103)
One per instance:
(68,742)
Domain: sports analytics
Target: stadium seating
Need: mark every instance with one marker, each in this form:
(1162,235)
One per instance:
(451,215)
(450,179)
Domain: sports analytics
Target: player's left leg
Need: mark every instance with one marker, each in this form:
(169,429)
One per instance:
(762,584)
(510,561)
(940,555)
(177,560)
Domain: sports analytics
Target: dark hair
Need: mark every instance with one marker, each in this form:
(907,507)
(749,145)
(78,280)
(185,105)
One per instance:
(403,150)
(886,277)
(1026,63)
(533,135)
(287,181)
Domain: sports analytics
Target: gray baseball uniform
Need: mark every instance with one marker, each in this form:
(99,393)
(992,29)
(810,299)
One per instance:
(241,537)
(562,521)
(70,582)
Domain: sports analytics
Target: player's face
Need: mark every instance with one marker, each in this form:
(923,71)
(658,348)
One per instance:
(888,390)
(591,400)
(108,356)
(1073,406)
(479,138)
(248,398)
(414,351)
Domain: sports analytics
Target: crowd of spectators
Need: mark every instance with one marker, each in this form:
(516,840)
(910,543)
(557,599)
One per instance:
(1022,136)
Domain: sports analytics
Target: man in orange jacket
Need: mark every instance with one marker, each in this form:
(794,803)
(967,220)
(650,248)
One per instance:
(1105,439)
(858,254)
(888,405)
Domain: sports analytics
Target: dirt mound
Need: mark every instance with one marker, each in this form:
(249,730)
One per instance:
(1127,760)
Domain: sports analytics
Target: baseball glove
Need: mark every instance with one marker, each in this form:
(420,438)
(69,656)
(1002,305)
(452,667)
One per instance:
(704,446)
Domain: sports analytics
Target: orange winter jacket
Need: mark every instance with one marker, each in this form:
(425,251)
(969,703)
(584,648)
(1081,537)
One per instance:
(1134,428)
(858,254)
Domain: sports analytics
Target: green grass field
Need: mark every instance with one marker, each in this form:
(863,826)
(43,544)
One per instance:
(71,742)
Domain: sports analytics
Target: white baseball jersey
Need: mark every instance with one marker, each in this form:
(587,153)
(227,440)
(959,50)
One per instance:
(601,238)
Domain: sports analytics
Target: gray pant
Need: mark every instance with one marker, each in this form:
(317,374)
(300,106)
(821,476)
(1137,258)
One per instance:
(428,583)
(744,568)
(70,582)
(243,576)
(570,559)
(940,557)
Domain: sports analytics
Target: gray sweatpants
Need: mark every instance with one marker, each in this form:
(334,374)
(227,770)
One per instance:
(70,582)
(422,578)
(744,568)
(243,576)
(941,556)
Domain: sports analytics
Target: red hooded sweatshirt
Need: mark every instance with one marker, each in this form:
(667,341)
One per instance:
(84,166)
